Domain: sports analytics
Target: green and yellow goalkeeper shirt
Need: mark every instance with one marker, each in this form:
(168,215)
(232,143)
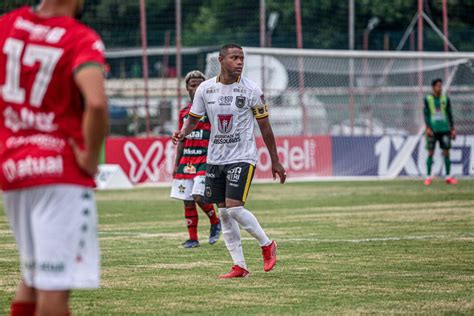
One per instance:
(438,114)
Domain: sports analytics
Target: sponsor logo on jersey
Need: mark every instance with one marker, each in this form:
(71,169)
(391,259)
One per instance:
(211,90)
(27,119)
(196,134)
(226,139)
(233,175)
(240,101)
(189,169)
(240,90)
(225,123)
(33,167)
(193,152)
(40,32)
(43,141)
(225,100)
(210,175)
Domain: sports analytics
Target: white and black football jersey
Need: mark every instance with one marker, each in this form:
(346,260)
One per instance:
(232,110)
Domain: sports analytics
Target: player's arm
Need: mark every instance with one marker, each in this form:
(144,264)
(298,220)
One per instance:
(90,81)
(198,109)
(187,128)
(179,154)
(269,139)
(427,116)
(449,112)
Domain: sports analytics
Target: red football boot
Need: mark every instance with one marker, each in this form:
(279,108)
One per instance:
(428,181)
(269,256)
(451,180)
(236,272)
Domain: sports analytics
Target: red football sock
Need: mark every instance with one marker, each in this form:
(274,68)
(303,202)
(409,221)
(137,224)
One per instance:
(22,309)
(211,213)
(191,215)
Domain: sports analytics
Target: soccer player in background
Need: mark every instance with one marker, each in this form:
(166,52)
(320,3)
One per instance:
(439,128)
(190,169)
(53,123)
(232,103)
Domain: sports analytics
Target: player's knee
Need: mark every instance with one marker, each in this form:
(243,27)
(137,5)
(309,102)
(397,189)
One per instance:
(231,203)
(446,153)
(431,153)
(198,199)
(224,214)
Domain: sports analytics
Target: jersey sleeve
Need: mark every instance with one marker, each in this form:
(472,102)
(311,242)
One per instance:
(198,109)
(258,104)
(89,51)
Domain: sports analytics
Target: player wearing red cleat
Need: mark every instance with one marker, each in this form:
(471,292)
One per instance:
(439,128)
(233,103)
(53,124)
(269,256)
(190,170)
(235,272)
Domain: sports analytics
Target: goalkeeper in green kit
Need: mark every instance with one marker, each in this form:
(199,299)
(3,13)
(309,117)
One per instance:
(439,128)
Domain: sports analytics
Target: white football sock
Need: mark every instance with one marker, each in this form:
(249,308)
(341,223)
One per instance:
(231,235)
(249,222)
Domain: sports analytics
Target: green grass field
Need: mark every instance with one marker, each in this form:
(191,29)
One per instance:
(344,247)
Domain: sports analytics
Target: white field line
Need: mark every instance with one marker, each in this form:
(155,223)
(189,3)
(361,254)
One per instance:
(296,239)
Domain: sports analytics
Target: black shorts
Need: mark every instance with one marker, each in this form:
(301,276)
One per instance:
(444,140)
(230,181)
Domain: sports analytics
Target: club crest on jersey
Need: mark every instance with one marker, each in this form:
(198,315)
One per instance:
(240,101)
(225,123)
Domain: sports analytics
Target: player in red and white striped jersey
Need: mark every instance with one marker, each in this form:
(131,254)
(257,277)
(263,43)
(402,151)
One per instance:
(190,170)
(53,120)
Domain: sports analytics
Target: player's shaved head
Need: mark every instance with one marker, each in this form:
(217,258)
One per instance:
(225,48)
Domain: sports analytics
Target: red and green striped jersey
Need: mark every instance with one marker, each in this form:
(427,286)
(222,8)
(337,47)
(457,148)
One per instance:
(193,160)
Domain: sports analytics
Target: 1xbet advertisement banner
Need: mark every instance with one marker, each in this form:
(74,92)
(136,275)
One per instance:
(151,160)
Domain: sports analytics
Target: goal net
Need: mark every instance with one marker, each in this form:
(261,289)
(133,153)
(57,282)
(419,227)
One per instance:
(355,93)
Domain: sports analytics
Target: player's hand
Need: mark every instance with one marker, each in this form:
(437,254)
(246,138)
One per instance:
(453,134)
(177,137)
(429,132)
(87,161)
(277,168)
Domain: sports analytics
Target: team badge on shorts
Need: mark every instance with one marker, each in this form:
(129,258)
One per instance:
(208,192)
(240,101)
(225,123)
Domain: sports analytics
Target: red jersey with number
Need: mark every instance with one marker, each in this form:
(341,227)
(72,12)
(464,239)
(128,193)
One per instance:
(41,107)
(193,160)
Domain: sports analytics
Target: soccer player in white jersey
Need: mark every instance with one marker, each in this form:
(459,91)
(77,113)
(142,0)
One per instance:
(232,103)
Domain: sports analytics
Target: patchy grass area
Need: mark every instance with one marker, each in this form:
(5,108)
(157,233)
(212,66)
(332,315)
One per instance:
(344,247)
